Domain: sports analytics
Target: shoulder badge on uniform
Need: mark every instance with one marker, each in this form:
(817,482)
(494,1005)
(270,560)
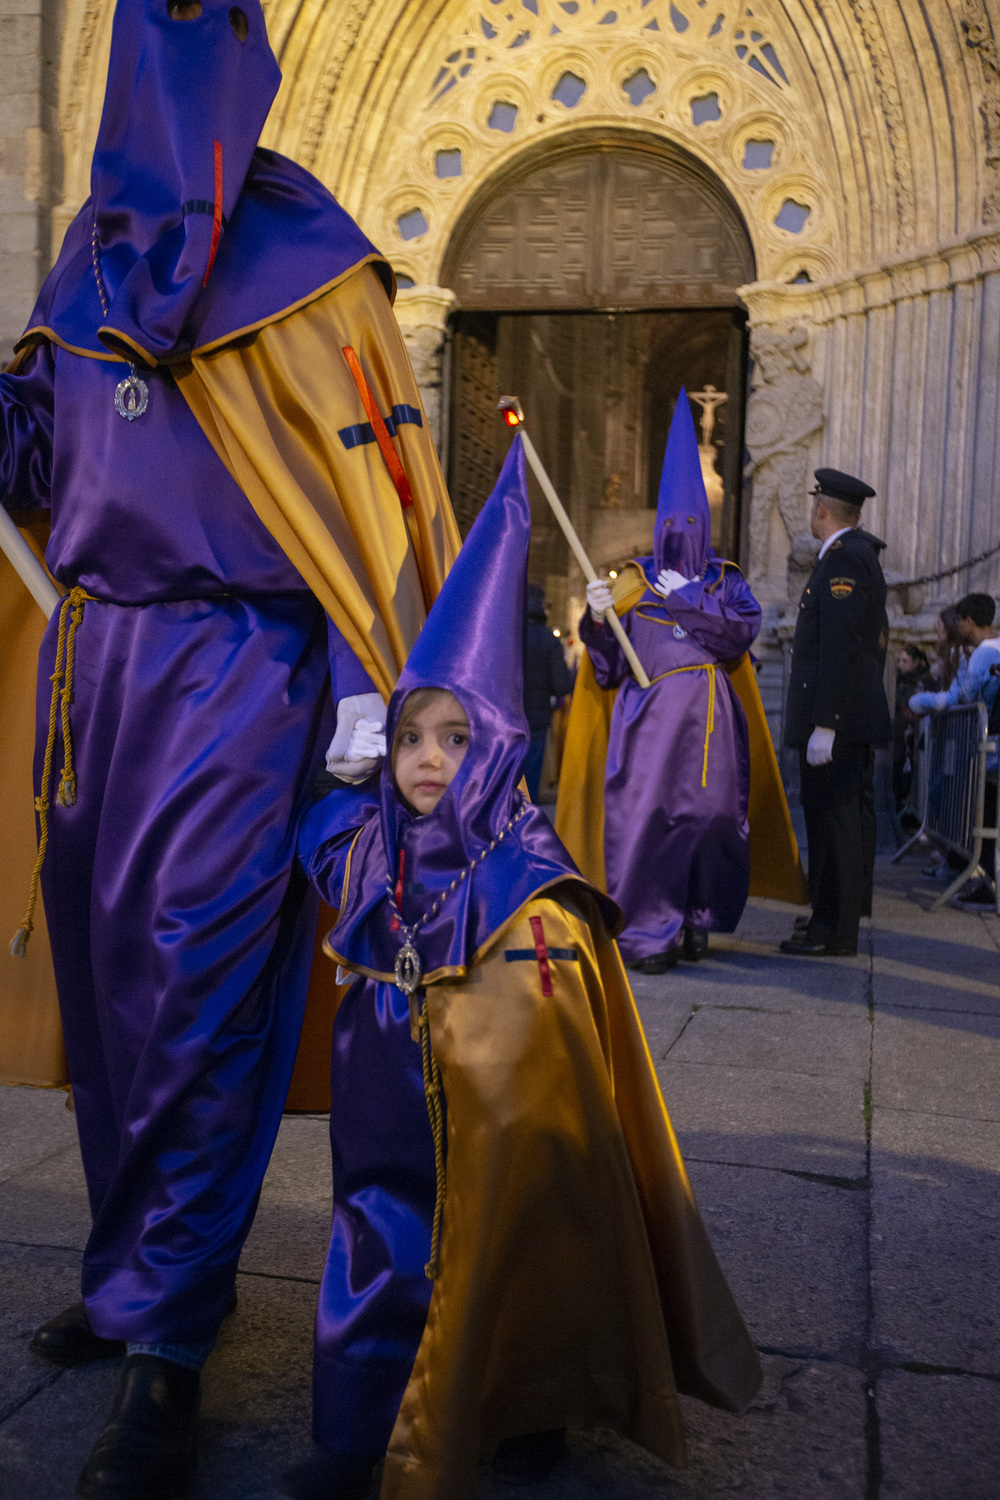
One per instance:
(841,588)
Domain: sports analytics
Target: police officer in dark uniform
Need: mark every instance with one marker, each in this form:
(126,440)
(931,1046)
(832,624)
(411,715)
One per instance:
(837,712)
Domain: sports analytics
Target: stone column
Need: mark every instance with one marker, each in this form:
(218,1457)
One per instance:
(29,144)
(422,313)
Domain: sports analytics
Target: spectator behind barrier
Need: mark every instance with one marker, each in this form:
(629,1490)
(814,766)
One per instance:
(974,624)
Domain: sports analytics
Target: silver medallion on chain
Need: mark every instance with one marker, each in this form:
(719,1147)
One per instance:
(409,970)
(131,396)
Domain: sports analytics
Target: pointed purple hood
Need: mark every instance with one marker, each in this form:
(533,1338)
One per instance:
(200,233)
(683,536)
(471,644)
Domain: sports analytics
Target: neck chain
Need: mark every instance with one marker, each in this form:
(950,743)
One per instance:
(409,970)
(132,393)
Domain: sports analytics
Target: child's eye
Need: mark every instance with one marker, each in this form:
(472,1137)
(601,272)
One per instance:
(458,738)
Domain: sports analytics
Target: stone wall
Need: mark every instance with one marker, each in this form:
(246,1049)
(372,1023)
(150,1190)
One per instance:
(30,154)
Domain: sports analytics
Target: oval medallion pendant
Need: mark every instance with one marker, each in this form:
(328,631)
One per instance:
(408,969)
(679,632)
(131,397)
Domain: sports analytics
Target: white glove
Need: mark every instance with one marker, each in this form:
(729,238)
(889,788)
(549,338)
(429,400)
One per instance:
(819,751)
(599,598)
(359,743)
(669,579)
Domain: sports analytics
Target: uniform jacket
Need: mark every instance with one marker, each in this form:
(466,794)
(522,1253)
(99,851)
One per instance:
(838,654)
(546,675)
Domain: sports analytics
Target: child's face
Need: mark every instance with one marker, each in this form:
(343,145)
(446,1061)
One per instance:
(905,662)
(430,747)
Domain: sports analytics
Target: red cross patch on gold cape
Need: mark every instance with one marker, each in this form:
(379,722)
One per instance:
(841,588)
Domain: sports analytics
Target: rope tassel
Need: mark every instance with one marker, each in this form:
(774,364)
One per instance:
(62,697)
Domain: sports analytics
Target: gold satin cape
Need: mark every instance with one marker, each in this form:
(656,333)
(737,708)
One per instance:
(775,867)
(271,401)
(577,1284)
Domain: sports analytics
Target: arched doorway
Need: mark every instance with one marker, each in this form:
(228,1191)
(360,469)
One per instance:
(593,282)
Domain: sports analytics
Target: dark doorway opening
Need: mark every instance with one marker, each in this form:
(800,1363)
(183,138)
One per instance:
(598,390)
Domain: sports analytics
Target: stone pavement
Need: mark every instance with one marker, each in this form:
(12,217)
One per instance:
(841,1121)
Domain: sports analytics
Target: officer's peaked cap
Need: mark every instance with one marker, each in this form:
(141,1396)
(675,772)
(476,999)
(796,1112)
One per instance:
(843,486)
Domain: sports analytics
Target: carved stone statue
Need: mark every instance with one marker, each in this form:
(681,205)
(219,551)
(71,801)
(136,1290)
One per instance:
(785,410)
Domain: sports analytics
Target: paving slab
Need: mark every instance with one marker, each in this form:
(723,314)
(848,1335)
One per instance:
(936,1240)
(940,1437)
(764,1118)
(291,1229)
(793,1252)
(37,1284)
(940,1062)
(47,1204)
(34,1124)
(664,1011)
(744,1037)
(739,971)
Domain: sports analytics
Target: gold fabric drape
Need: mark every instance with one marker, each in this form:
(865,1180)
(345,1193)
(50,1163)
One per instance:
(576,1276)
(273,408)
(31,1046)
(775,867)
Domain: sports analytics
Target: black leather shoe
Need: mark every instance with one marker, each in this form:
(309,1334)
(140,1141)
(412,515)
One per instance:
(816,950)
(148,1449)
(659,963)
(328,1476)
(68,1340)
(529,1459)
(695,944)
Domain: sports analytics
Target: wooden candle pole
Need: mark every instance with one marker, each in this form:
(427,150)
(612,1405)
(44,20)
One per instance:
(514,417)
(27,566)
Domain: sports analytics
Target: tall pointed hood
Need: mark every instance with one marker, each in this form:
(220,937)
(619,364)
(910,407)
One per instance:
(198,232)
(683,536)
(471,645)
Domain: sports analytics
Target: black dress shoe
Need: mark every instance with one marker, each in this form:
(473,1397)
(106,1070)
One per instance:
(807,949)
(328,1476)
(148,1449)
(695,944)
(68,1340)
(658,963)
(529,1459)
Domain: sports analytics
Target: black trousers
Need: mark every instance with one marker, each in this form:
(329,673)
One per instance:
(838,800)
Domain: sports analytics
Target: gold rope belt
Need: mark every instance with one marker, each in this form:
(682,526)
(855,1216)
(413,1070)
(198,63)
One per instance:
(699,666)
(71,608)
(435,1113)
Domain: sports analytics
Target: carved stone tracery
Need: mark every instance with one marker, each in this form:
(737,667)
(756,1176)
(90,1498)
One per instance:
(979,37)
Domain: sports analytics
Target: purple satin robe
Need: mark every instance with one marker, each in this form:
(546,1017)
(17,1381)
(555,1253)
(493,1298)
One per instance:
(677,853)
(181,930)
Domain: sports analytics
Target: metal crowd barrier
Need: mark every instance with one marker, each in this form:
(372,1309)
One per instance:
(948,791)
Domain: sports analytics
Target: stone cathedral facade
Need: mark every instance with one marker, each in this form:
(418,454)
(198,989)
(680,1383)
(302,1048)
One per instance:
(791,207)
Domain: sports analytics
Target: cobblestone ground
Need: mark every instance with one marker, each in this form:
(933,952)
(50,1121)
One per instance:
(841,1122)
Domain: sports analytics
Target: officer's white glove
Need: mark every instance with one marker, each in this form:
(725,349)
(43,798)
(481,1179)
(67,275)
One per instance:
(359,743)
(599,598)
(819,751)
(669,579)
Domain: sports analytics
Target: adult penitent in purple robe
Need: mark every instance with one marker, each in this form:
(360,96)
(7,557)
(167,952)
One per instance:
(201,674)
(676,839)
